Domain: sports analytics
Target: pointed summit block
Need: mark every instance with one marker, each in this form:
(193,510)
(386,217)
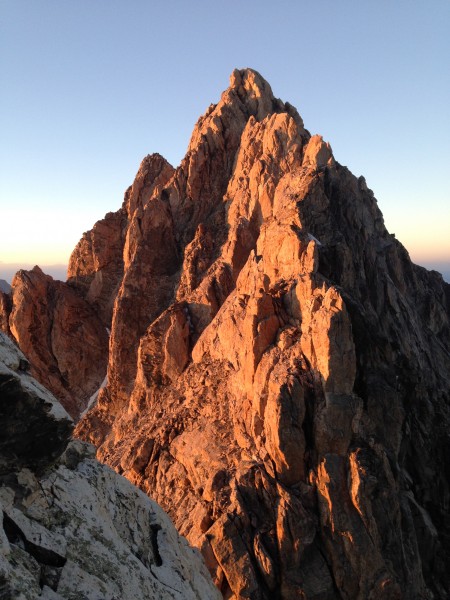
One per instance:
(254,91)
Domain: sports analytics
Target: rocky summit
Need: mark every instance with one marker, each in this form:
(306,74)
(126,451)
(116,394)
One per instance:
(278,373)
(69,526)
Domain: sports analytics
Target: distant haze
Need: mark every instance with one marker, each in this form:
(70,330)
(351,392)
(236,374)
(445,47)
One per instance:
(442,267)
(8,270)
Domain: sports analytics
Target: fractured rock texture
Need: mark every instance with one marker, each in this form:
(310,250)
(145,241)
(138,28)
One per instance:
(96,266)
(279,369)
(60,334)
(69,526)
(278,372)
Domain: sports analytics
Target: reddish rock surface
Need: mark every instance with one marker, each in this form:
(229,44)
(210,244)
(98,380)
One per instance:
(277,366)
(96,266)
(278,375)
(61,335)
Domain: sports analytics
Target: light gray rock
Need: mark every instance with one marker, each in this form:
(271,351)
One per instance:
(71,528)
(35,428)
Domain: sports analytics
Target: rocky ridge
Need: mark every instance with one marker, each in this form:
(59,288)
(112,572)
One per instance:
(60,333)
(276,362)
(71,527)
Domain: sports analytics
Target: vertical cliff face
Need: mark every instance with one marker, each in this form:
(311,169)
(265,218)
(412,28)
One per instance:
(283,389)
(164,214)
(61,335)
(96,265)
(278,374)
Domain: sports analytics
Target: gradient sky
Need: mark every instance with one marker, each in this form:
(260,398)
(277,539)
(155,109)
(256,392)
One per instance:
(89,87)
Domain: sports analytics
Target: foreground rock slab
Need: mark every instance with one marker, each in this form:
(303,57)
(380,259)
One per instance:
(71,527)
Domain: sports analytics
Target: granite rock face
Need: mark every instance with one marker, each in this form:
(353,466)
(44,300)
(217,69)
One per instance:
(61,335)
(278,369)
(69,526)
(35,428)
(96,266)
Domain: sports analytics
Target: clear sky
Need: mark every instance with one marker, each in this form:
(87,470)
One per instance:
(89,87)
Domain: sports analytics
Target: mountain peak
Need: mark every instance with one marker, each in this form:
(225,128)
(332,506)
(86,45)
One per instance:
(254,92)
(251,81)
(276,363)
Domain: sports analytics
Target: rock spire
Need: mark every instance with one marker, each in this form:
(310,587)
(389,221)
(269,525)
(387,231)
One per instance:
(278,368)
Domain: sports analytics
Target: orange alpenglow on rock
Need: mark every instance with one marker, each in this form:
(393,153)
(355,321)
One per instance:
(61,335)
(278,369)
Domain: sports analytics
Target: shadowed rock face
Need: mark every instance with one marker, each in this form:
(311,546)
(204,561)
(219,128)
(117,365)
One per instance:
(69,526)
(5,311)
(35,428)
(278,375)
(5,288)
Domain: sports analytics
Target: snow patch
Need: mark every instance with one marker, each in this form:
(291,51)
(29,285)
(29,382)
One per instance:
(314,239)
(93,399)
